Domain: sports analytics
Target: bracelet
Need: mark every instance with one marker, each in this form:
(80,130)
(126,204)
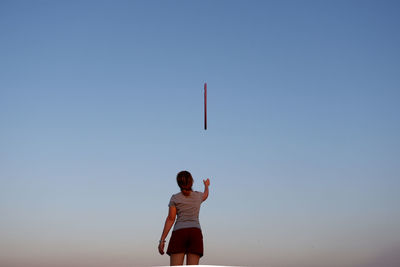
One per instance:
(162,241)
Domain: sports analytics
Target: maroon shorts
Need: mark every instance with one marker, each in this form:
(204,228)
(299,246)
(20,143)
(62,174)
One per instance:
(186,240)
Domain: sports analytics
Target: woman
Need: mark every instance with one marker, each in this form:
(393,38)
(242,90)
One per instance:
(186,236)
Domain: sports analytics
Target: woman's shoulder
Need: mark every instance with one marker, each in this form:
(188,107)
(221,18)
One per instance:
(178,195)
(198,194)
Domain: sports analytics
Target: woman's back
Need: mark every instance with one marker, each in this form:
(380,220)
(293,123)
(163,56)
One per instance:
(188,209)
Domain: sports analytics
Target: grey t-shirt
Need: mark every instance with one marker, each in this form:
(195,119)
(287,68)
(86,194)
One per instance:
(187,209)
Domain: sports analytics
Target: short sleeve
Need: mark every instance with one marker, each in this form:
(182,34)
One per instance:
(172,202)
(200,195)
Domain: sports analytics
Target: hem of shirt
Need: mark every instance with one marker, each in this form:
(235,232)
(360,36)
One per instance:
(186,227)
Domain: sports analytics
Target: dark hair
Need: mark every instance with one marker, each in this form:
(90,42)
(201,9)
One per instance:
(184,180)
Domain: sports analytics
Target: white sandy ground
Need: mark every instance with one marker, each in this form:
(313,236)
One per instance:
(205,266)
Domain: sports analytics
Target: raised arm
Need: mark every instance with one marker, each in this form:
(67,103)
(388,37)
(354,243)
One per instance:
(206,185)
(169,221)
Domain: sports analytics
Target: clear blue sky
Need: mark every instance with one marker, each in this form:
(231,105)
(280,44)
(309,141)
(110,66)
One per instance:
(101,104)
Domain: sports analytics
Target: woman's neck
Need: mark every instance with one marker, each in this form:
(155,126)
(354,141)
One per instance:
(186,192)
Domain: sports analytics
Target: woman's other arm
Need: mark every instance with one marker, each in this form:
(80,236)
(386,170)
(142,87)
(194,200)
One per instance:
(169,221)
(206,185)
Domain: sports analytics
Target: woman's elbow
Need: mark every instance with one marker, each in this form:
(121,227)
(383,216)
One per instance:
(171,218)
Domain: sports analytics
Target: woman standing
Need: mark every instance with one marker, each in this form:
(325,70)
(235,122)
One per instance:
(186,236)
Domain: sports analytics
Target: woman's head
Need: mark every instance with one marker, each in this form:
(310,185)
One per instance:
(185,181)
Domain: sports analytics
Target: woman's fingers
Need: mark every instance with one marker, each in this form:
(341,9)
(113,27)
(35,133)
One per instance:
(161,248)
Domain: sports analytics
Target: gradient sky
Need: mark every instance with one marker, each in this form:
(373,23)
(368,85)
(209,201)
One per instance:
(101,104)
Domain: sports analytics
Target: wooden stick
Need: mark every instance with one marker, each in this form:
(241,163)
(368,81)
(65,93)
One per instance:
(205,106)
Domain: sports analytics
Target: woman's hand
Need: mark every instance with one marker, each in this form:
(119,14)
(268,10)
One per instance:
(206,182)
(161,247)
